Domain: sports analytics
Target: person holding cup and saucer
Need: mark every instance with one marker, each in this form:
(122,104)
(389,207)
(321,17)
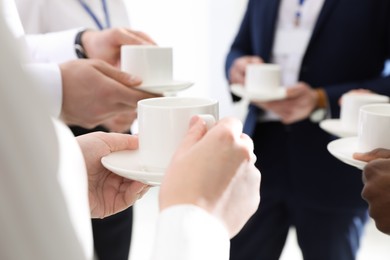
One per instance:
(351,102)
(321,58)
(376,190)
(162,126)
(52,183)
(375,153)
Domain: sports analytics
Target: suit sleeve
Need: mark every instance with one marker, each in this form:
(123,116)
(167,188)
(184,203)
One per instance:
(241,45)
(379,83)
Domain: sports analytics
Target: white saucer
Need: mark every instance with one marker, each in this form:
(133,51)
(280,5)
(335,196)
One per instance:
(343,150)
(240,91)
(126,164)
(166,87)
(334,127)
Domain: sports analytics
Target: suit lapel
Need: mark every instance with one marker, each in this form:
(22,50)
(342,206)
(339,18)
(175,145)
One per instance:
(269,16)
(323,16)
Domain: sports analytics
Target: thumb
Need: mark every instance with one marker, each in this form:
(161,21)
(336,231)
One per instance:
(378,153)
(195,133)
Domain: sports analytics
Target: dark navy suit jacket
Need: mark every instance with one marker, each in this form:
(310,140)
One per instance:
(348,48)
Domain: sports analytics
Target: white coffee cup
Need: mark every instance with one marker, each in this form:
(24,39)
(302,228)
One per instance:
(153,64)
(163,122)
(374,127)
(262,78)
(350,107)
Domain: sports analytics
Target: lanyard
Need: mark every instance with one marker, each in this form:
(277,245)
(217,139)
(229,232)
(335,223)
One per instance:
(298,12)
(94,17)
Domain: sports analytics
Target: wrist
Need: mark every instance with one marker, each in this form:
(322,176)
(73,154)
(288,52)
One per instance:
(322,99)
(320,108)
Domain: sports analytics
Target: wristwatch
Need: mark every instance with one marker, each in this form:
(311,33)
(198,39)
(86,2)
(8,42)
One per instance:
(320,111)
(318,115)
(78,46)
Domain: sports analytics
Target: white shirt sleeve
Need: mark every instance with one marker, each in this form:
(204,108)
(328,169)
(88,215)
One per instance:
(48,77)
(187,232)
(55,47)
(44,204)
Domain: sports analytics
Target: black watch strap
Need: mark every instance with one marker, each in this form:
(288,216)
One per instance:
(78,46)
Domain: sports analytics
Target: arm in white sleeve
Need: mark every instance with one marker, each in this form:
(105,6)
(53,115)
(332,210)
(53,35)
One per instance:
(187,232)
(48,77)
(44,204)
(51,47)
(55,47)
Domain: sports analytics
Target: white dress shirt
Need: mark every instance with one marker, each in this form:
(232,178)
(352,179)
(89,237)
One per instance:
(42,16)
(43,185)
(51,25)
(290,62)
(289,58)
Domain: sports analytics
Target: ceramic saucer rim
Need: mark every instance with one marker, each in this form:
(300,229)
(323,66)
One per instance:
(240,91)
(173,86)
(345,155)
(331,125)
(134,173)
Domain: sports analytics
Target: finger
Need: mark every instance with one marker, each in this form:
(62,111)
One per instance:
(116,74)
(144,191)
(364,177)
(362,157)
(126,36)
(196,131)
(241,64)
(119,142)
(120,82)
(255,59)
(247,141)
(232,131)
(133,190)
(233,124)
(145,37)
(293,92)
(237,76)
(374,154)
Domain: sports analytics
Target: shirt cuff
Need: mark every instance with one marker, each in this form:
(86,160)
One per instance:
(49,81)
(54,47)
(187,232)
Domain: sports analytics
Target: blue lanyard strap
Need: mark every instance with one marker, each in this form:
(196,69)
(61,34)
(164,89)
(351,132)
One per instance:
(298,12)
(94,17)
